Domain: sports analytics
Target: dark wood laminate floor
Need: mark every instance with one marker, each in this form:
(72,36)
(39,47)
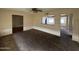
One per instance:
(35,40)
(66,40)
(7,43)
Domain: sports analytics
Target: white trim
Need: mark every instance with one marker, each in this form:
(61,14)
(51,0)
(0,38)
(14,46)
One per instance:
(75,38)
(4,32)
(57,33)
(27,28)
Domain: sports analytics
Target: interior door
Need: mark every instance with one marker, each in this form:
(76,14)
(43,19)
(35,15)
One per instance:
(17,23)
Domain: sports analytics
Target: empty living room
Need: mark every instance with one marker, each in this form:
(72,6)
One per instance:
(39,29)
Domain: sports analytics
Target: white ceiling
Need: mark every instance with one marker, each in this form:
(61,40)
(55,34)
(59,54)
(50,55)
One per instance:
(28,9)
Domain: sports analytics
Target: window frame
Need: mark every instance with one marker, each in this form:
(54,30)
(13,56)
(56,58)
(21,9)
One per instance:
(46,23)
(66,19)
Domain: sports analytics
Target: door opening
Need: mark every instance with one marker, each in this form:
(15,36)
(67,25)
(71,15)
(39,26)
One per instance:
(17,23)
(66,28)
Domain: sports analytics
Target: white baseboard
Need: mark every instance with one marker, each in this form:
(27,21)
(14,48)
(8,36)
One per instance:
(27,28)
(57,33)
(75,38)
(4,32)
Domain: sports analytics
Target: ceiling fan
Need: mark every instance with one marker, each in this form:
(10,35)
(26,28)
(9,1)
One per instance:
(36,10)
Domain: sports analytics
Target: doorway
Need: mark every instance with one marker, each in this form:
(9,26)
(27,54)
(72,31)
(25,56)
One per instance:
(17,23)
(66,29)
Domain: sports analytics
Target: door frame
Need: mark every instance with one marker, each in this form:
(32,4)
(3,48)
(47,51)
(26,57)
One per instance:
(22,21)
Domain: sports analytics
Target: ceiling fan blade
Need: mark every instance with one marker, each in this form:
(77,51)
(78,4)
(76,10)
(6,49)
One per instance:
(36,10)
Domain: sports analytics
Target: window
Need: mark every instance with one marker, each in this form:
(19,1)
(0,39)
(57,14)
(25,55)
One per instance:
(63,20)
(48,20)
(44,20)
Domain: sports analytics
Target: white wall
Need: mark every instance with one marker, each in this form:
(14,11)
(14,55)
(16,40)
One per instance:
(54,29)
(76,25)
(34,21)
(6,21)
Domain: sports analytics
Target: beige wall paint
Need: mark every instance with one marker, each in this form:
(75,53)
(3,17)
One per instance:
(35,21)
(6,21)
(56,28)
(57,13)
(76,25)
